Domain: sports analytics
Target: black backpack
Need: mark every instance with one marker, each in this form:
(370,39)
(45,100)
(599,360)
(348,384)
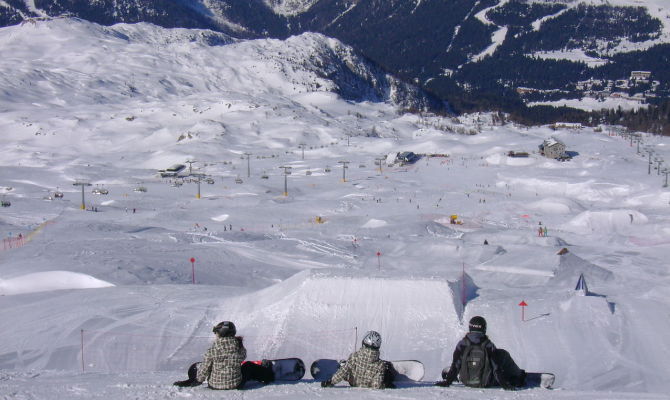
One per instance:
(475,365)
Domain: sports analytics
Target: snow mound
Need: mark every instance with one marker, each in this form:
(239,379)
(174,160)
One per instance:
(550,206)
(438,229)
(51,280)
(374,223)
(220,218)
(491,252)
(582,191)
(605,221)
(571,266)
(591,319)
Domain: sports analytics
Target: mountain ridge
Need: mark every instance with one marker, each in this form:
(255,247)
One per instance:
(476,54)
(329,65)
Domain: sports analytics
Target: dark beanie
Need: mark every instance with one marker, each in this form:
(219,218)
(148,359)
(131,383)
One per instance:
(477,324)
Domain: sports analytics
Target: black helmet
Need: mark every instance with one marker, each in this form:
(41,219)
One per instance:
(477,324)
(225,329)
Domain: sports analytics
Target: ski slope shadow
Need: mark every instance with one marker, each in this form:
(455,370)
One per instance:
(464,290)
(571,266)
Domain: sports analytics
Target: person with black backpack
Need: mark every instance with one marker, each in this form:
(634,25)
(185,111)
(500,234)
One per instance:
(478,363)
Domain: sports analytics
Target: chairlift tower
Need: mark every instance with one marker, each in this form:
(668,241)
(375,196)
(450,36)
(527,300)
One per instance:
(287,172)
(83,185)
(197,181)
(302,147)
(658,167)
(380,161)
(248,164)
(344,169)
(666,171)
(190,165)
(638,139)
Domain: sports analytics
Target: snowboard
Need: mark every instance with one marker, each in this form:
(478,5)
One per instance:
(540,379)
(283,369)
(405,370)
(286,369)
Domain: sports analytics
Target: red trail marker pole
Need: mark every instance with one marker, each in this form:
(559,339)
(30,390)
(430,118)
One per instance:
(193,269)
(523,307)
(379,259)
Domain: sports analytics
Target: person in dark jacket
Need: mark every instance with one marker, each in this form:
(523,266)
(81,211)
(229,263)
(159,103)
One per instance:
(364,368)
(223,366)
(503,369)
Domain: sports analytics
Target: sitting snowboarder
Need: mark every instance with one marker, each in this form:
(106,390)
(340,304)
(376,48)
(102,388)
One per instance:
(478,363)
(364,368)
(223,367)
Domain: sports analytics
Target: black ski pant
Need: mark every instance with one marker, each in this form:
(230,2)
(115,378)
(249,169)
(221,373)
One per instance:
(389,375)
(255,372)
(507,369)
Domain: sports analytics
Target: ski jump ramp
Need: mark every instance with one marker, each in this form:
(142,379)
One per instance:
(325,313)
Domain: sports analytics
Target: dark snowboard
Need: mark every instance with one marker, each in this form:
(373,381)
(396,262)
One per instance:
(287,369)
(284,369)
(404,370)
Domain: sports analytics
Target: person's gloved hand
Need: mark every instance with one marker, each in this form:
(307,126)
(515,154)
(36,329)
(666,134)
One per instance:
(444,373)
(444,383)
(327,383)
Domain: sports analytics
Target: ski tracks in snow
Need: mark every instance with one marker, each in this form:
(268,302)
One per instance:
(273,257)
(325,248)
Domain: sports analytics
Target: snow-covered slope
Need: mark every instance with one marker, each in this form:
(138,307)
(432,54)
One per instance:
(307,273)
(191,61)
(290,7)
(658,9)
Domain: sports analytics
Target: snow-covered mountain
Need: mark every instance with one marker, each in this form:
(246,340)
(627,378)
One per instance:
(71,51)
(503,51)
(104,301)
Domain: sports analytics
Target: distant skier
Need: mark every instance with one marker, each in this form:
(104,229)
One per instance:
(364,368)
(545,232)
(223,367)
(478,363)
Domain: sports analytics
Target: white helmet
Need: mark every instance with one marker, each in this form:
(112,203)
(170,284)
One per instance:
(372,339)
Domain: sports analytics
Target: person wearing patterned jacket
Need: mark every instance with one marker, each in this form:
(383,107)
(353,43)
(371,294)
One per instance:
(364,368)
(223,366)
